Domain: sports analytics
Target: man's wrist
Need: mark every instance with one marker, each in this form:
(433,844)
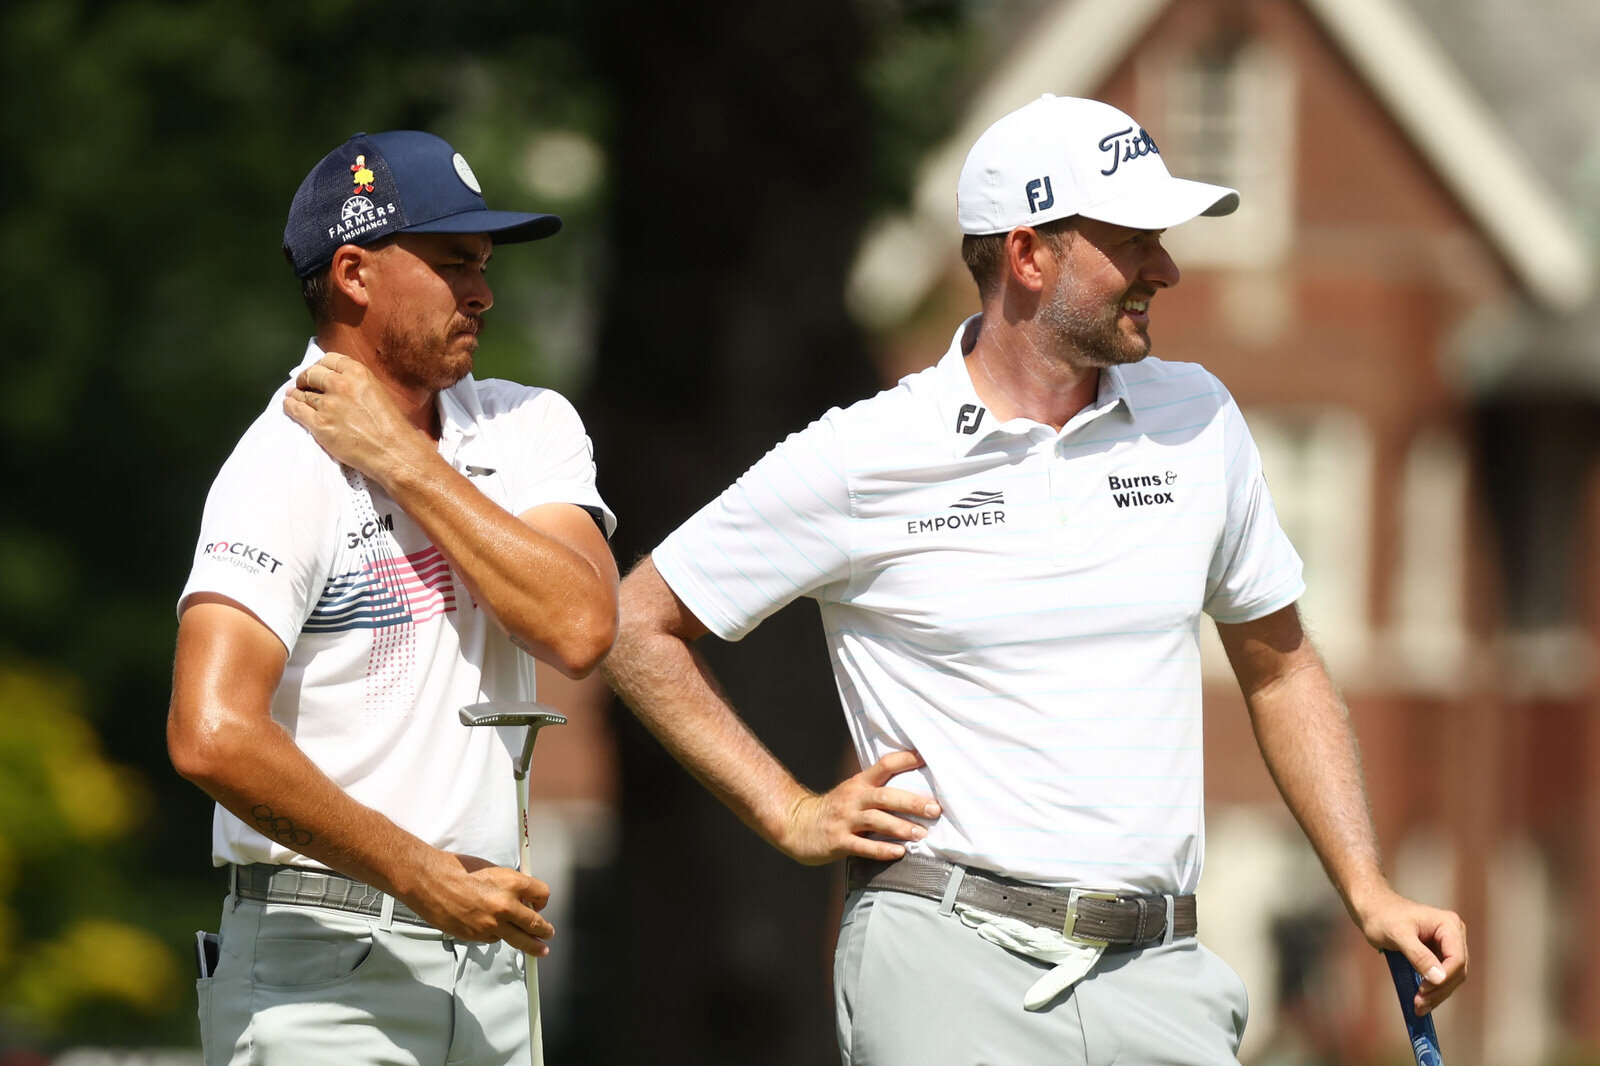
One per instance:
(408,465)
(1367,895)
(784,829)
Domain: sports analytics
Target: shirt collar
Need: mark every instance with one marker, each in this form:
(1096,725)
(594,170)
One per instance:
(460,411)
(459,408)
(967,419)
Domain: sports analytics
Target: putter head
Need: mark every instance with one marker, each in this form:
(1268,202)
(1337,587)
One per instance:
(533,715)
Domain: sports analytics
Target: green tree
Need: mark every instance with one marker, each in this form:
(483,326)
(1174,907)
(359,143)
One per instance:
(65,810)
(154,147)
(149,317)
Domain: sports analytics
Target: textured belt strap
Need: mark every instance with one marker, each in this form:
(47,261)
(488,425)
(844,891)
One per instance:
(1120,921)
(266,883)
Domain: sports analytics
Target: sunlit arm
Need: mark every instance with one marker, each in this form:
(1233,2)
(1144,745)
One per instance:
(221,736)
(547,576)
(1304,734)
(656,670)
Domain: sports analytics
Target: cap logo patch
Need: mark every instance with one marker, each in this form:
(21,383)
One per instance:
(464,172)
(360,215)
(362,173)
(1123,151)
(1040,196)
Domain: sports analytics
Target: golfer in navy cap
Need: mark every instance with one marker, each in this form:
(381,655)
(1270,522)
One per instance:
(390,540)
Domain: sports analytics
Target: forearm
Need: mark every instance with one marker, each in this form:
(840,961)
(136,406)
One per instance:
(553,600)
(672,692)
(1310,750)
(221,736)
(254,770)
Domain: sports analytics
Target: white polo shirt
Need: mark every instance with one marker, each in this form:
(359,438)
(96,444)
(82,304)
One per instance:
(385,643)
(1021,606)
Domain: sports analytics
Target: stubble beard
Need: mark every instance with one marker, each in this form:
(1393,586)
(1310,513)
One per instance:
(420,362)
(1087,336)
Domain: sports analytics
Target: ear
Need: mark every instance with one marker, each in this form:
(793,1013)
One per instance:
(1027,258)
(350,272)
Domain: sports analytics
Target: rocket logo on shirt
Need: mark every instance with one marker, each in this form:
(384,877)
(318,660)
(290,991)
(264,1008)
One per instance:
(248,557)
(385,592)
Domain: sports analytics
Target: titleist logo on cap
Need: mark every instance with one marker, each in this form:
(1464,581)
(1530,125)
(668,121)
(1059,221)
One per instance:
(1061,156)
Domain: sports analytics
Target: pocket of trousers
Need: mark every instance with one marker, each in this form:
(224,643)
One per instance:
(305,962)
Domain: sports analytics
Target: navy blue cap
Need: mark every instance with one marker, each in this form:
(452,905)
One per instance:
(403,181)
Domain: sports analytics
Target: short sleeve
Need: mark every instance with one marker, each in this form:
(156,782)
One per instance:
(268,529)
(781,531)
(557,458)
(1255,570)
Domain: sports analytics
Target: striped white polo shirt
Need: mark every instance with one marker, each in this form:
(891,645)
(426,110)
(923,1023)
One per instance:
(1019,605)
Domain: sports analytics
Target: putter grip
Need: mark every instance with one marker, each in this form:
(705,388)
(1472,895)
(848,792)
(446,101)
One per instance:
(1424,1040)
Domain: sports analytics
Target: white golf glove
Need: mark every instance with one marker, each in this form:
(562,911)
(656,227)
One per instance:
(1073,958)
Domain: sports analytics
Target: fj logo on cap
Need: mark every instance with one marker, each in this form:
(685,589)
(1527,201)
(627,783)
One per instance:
(362,174)
(1123,151)
(1040,196)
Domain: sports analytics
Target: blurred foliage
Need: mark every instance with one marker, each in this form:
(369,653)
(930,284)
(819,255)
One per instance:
(151,317)
(65,813)
(925,59)
(155,145)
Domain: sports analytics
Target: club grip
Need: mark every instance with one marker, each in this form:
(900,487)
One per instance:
(1424,1040)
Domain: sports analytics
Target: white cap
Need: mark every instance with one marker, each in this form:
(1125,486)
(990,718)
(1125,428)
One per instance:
(1061,156)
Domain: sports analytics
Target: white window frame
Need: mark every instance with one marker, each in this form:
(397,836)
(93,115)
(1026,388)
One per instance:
(1231,124)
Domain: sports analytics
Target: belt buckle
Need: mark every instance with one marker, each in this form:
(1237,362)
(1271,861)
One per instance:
(1071,923)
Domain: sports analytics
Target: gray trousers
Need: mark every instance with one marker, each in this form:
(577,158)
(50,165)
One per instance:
(914,987)
(302,986)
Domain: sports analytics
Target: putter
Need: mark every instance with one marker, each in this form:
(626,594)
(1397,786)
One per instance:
(535,716)
(1424,1040)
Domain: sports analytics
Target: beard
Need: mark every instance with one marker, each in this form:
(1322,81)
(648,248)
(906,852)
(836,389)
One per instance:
(419,360)
(1089,336)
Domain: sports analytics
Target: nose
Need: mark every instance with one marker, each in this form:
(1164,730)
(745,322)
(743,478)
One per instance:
(477,296)
(1160,269)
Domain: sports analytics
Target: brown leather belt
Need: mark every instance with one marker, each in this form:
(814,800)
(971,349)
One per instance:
(266,883)
(1121,922)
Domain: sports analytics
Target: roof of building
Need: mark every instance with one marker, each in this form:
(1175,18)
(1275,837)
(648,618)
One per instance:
(1078,43)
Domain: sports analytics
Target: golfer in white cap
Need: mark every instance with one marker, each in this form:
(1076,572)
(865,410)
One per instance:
(1011,551)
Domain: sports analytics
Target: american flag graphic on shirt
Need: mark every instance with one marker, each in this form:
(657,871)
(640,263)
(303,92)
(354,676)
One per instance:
(385,592)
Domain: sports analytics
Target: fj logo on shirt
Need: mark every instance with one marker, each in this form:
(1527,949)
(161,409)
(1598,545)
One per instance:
(1126,489)
(977,509)
(969,418)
